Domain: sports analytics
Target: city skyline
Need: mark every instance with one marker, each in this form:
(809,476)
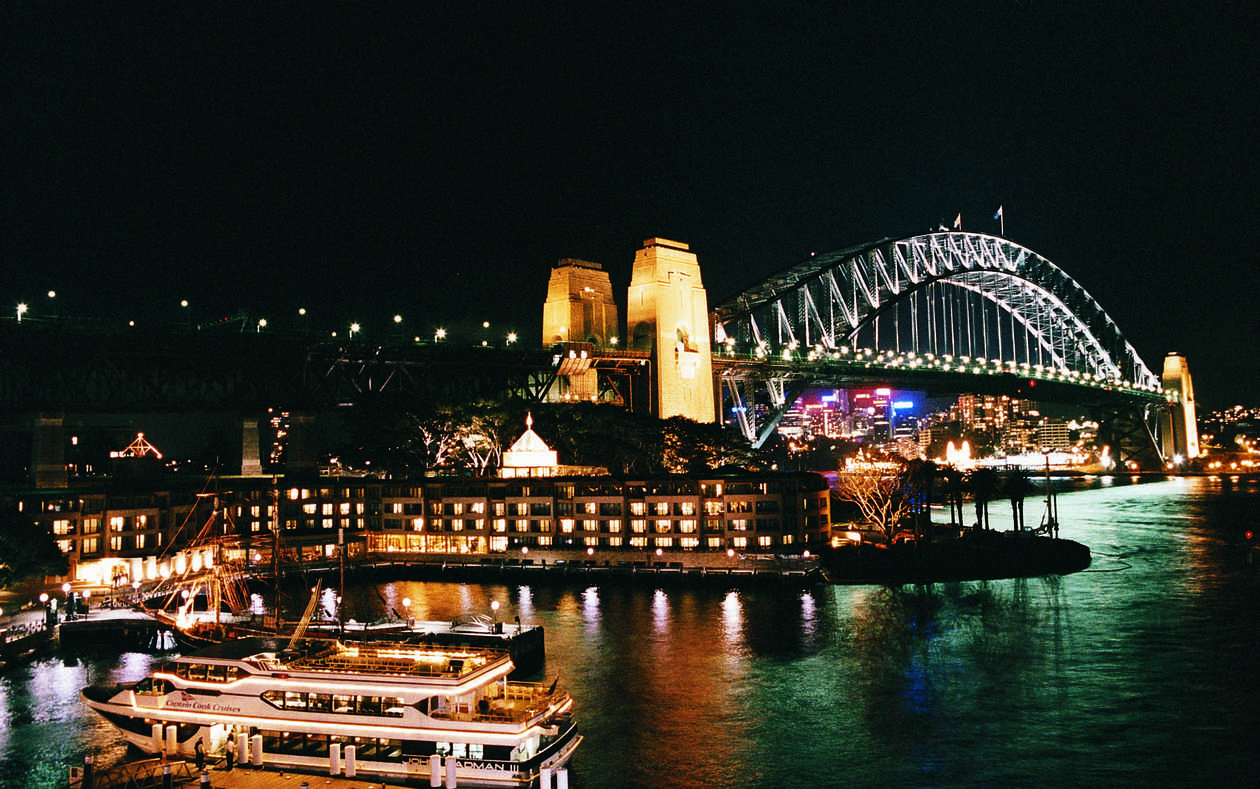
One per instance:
(436,162)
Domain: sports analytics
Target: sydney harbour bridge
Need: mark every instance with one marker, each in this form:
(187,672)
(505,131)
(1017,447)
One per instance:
(944,312)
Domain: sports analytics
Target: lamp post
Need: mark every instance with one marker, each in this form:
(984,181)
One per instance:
(21,310)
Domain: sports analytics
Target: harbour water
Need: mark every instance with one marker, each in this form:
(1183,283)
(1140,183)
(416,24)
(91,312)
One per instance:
(1141,671)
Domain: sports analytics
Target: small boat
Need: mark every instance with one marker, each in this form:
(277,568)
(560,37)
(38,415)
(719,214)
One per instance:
(402,712)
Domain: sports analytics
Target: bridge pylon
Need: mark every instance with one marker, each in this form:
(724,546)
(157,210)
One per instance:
(1179,431)
(668,315)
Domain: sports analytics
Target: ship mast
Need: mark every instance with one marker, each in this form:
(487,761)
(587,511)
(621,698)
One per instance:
(275,551)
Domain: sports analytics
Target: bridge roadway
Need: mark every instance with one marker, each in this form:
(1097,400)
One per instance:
(64,368)
(69,367)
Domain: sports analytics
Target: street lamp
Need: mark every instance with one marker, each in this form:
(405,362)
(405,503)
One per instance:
(21,310)
(511,338)
(262,324)
(354,329)
(439,335)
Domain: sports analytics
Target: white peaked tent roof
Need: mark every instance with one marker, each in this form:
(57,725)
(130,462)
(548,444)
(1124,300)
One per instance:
(529,451)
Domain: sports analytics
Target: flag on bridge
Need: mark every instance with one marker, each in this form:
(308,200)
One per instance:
(998,215)
(958,222)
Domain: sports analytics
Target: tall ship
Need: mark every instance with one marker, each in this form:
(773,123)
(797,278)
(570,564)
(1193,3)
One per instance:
(404,712)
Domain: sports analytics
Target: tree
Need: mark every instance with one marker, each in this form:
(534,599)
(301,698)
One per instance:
(484,432)
(984,488)
(920,476)
(954,492)
(880,495)
(1017,487)
(694,448)
(27,550)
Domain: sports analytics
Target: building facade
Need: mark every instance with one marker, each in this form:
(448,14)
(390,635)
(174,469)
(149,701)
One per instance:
(113,539)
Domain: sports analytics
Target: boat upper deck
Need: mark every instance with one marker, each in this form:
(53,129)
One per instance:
(332,656)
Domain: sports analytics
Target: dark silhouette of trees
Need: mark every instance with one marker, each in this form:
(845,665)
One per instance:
(27,550)
(920,479)
(984,488)
(954,487)
(1017,486)
(470,438)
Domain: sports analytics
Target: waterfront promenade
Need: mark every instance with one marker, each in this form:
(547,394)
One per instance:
(185,775)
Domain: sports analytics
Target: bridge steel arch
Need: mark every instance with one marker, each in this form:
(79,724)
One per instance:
(915,307)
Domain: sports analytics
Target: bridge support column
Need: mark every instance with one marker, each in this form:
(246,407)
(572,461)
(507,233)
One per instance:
(251,463)
(1179,431)
(48,452)
(668,314)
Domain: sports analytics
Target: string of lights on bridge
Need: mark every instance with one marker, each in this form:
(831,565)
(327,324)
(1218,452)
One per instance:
(867,358)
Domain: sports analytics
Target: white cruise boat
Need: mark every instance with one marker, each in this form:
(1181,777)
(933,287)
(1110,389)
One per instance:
(393,710)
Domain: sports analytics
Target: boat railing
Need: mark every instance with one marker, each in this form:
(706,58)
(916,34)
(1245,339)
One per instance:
(374,661)
(516,703)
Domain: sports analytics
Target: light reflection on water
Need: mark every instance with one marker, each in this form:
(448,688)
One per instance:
(1138,672)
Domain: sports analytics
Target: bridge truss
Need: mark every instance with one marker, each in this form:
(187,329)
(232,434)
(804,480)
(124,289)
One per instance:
(923,308)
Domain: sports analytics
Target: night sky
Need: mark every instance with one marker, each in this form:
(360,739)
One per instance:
(435,160)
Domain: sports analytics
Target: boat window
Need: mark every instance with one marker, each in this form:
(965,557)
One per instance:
(370,705)
(343,703)
(294,700)
(216,673)
(321,702)
(197,672)
(393,706)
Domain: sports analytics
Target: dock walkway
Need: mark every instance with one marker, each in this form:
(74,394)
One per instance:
(183,775)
